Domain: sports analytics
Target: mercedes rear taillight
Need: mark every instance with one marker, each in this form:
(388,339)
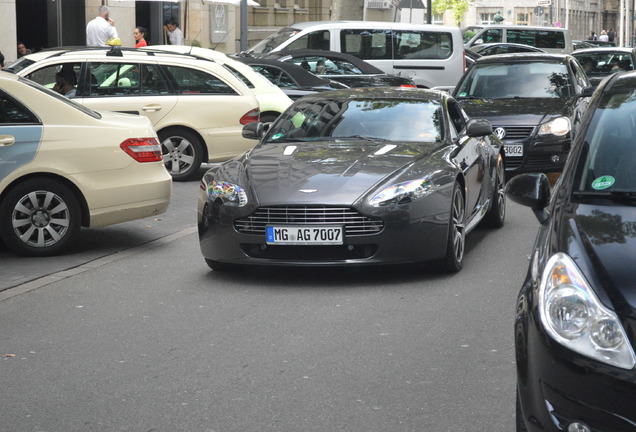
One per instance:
(143,149)
(252,116)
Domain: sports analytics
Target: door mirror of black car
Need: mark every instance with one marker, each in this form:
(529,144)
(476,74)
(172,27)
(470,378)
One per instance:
(478,128)
(253,130)
(531,190)
(588,91)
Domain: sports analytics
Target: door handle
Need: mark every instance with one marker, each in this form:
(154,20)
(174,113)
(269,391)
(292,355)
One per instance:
(152,107)
(7,140)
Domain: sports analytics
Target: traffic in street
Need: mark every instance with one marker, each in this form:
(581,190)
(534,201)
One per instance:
(133,331)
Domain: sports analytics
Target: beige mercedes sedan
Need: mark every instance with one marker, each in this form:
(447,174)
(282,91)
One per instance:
(64,166)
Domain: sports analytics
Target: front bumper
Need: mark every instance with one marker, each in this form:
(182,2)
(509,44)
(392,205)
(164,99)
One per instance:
(402,239)
(539,154)
(558,386)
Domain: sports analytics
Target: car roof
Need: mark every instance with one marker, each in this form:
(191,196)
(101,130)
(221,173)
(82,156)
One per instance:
(123,52)
(380,93)
(604,50)
(531,56)
(303,77)
(365,67)
(521,27)
(368,24)
(511,44)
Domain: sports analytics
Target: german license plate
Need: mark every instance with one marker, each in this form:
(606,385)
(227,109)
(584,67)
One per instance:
(514,150)
(303,235)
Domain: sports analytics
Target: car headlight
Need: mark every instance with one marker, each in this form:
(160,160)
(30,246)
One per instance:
(229,193)
(402,193)
(558,127)
(573,315)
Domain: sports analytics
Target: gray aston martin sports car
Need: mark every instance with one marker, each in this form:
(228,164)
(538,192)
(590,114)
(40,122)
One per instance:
(356,176)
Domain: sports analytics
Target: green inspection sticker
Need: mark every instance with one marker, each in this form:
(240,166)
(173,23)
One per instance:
(603,182)
(462,94)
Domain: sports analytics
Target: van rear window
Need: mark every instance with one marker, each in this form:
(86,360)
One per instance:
(537,38)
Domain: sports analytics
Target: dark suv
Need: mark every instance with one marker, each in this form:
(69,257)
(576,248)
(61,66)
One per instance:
(534,101)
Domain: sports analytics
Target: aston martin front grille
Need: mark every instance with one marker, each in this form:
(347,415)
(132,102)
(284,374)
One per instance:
(516,133)
(354,223)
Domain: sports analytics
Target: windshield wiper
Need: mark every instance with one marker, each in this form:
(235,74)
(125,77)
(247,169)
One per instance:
(367,138)
(617,195)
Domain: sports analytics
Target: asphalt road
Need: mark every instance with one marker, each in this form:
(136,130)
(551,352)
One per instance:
(133,332)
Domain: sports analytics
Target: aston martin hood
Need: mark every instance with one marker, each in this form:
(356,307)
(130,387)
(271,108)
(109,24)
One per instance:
(603,236)
(329,172)
(518,112)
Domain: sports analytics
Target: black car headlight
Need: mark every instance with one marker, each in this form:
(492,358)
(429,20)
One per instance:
(573,315)
(228,193)
(402,193)
(558,127)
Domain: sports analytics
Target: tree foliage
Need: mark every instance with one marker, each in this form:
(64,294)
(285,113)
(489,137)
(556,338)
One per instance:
(458,8)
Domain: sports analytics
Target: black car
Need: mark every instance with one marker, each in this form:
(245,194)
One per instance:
(601,62)
(533,100)
(494,48)
(292,79)
(575,327)
(341,67)
(360,176)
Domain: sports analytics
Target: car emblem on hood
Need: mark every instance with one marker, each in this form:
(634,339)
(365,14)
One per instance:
(307,190)
(500,132)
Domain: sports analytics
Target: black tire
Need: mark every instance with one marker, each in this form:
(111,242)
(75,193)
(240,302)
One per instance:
(40,217)
(216,265)
(182,153)
(496,215)
(519,420)
(456,243)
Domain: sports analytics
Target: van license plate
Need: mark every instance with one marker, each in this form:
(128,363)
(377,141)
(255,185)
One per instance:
(303,235)
(514,150)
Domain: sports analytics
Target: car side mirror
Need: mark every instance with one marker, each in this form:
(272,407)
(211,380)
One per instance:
(588,91)
(253,130)
(478,128)
(531,190)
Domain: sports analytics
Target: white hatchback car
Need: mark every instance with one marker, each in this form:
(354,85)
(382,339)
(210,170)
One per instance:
(64,166)
(197,106)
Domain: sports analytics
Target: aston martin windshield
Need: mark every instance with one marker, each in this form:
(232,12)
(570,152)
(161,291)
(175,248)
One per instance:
(516,80)
(362,119)
(608,164)
(273,40)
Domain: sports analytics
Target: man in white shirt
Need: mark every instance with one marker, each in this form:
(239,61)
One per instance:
(175,35)
(100,29)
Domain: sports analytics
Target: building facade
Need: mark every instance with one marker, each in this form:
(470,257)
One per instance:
(49,23)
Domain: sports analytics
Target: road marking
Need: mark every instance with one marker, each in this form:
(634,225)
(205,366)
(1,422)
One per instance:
(98,262)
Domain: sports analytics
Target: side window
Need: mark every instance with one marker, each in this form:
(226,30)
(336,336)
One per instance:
(315,40)
(367,44)
(423,45)
(12,112)
(194,81)
(239,75)
(46,75)
(579,75)
(537,38)
(490,35)
(152,83)
(458,119)
(114,79)
(270,73)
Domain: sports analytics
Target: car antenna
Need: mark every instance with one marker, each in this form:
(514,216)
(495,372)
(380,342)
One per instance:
(192,44)
(222,39)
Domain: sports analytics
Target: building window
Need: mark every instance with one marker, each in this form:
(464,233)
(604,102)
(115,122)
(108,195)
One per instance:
(523,18)
(487,18)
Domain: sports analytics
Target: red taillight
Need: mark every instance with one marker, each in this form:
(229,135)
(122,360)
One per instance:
(408,86)
(143,149)
(252,116)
